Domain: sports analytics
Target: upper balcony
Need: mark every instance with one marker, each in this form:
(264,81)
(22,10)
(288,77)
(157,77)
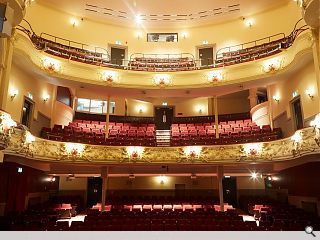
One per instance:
(233,66)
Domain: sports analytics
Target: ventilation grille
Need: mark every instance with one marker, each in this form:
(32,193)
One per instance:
(120,14)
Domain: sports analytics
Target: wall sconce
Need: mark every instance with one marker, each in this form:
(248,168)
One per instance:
(215,76)
(184,35)
(276,98)
(296,138)
(13,93)
(138,35)
(310,93)
(255,175)
(162,80)
(162,179)
(74,22)
(141,109)
(45,97)
(249,22)
(110,77)
(192,151)
(134,153)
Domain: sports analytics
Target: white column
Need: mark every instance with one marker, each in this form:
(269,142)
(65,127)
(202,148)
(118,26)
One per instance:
(253,97)
(107,117)
(220,177)
(270,107)
(6,52)
(104,176)
(316,57)
(216,115)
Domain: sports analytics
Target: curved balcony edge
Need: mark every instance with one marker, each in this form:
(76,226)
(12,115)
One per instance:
(303,143)
(132,79)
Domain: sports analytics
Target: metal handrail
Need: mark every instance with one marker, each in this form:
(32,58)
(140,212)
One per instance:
(241,46)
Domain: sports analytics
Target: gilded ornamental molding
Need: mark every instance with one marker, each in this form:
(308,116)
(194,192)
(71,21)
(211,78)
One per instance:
(21,143)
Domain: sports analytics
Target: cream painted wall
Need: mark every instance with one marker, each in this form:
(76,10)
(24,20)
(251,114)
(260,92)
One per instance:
(249,183)
(75,184)
(97,34)
(233,105)
(299,81)
(24,83)
(134,107)
(63,114)
(154,183)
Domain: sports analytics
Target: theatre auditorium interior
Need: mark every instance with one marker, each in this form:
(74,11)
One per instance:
(168,115)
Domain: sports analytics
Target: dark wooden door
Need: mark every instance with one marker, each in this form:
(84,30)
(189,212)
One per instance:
(230,190)
(94,191)
(117,55)
(297,113)
(163,117)
(206,56)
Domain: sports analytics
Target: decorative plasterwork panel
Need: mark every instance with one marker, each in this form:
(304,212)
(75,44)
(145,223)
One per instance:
(52,151)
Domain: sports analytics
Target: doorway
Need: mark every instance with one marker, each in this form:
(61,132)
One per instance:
(118,55)
(206,56)
(230,190)
(94,191)
(163,117)
(27,111)
(297,113)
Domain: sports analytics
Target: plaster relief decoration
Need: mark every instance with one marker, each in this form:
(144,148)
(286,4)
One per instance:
(134,153)
(73,151)
(251,151)
(50,65)
(109,77)
(272,65)
(192,152)
(26,145)
(316,128)
(6,129)
(23,144)
(215,76)
(162,80)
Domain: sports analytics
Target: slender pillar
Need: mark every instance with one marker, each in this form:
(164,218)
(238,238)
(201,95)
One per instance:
(316,57)
(270,107)
(253,97)
(6,52)
(107,117)
(216,115)
(220,177)
(104,176)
